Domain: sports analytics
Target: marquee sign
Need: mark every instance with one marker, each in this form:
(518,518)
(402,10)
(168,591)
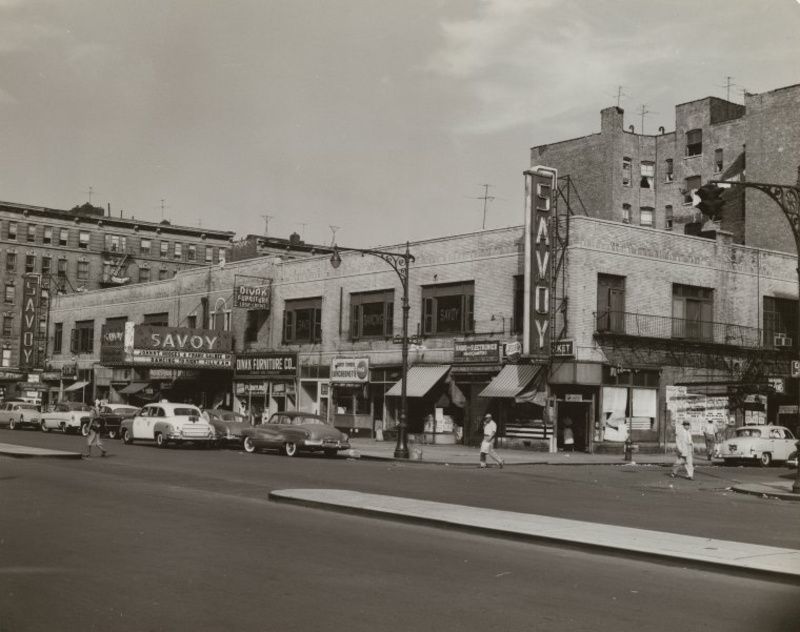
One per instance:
(31,298)
(540,190)
(181,347)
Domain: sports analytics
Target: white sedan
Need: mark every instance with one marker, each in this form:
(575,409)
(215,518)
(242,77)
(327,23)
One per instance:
(762,444)
(67,417)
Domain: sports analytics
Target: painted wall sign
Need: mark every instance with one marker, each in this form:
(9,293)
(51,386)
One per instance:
(266,365)
(252,295)
(29,356)
(349,370)
(477,351)
(540,201)
(112,344)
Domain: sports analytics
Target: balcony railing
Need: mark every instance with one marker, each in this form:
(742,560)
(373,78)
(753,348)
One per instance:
(667,327)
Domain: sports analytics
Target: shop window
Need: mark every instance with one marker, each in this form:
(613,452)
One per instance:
(627,410)
(83,239)
(47,237)
(669,170)
(371,314)
(717,161)
(669,217)
(164,249)
(780,323)
(145,246)
(191,252)
(8,325)
(610,303)
(63,237)
(448,309)
(12,231)
(83,271)
(692,312)
(627,169)
(46,265)
(83,337)
(159,319)
(30,264)
(10,294)
(694,142)
(31,233)
(302,321)
(648,173)
(256,319)
(58,337)
(518,318)
(144,275)
(6,358)
(626,213)
(11,262)
(691,185)
(351,400)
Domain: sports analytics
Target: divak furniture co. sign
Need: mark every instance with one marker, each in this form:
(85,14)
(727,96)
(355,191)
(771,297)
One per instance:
(249,296)
(181,347)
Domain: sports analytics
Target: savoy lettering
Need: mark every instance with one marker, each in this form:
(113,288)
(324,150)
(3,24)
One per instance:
(183,341)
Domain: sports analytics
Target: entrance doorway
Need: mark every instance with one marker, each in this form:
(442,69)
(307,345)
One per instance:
(574,415)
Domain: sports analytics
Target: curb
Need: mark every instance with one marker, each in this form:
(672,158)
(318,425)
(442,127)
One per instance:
(39,453)
(374,457)
(766,492)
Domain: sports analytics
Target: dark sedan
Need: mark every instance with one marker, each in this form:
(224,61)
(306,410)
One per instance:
(291,432)
(111,416)
(228,425)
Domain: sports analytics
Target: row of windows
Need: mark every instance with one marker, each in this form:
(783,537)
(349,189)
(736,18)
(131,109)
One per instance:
(647,216)
(647,170)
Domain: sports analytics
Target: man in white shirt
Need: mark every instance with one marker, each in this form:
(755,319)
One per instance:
(684,445)
(487,445)
(710,435)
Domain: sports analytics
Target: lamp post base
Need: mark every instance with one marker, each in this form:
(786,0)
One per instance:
(401,453)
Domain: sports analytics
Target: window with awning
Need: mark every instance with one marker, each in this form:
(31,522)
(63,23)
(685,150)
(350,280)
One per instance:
(511,381)
(420,380)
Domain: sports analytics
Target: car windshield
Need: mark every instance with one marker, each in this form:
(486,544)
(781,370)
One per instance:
(306,421)
(185,412)
(226,415)
(123,410)
(26,407)
(748,432)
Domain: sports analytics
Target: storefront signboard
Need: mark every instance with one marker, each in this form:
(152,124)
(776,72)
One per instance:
(478,351)
(112,344)
(564,348)
(696,408)
(349,370)
(266,365)
(29,325)
(69,371)
(179,347)
(253,296)
(513,351)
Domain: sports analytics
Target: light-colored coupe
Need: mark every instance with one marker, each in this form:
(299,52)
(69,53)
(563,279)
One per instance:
(68,417)
(762,444)
(17,414)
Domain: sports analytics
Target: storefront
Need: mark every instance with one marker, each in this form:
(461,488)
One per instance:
(428,387)
(350,394)
(264,383)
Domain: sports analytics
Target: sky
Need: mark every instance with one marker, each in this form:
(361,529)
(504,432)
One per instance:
(383,119)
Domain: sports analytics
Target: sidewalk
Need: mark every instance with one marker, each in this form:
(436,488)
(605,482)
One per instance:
(23,451)
(468,456)
(690,550)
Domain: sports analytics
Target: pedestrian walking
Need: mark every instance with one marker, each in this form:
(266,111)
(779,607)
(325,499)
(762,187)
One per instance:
(684,445)
(487,445)
(710,435)
(94,438)
(568,435)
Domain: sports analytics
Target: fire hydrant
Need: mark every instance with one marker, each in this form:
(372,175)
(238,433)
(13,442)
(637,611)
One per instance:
(628,449)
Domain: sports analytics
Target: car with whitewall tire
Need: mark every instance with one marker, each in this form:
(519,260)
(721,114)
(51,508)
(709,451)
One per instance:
(758,444)
(18,414)
(168,423)
(291,432)
(68,417)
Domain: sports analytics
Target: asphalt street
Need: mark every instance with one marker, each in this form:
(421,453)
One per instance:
(186,539)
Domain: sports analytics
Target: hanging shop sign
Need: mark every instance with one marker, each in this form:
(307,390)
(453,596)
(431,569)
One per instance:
(265,365)
(251,295)
(513,351)
(349,370)
(29,358)
(112,344)
(69,371)
(178,347)
(540,192)
(478,351)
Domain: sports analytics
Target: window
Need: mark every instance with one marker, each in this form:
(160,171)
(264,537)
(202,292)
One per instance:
(8,325)
(63,237)
(178,250)
(222,255)
(11,262)
(717,161)
(144,275)
(164,249)
(10,293)
(191,322)
(209,254)
(518,317)
(448,309)
(694,142)
(626,172)
(46,263)
(626,213)
(83,337)
(371,314)
(780,322)
(221,316)
(302,321)
(610,303)
(669,170)
(158,319)
(191,252)
(668,217)
(144,247)
(48,235)
(83,271)
(12,230)
(58,337)
(646,216)
(256,319)
(692,184)
(163,274)
(30,264)
(6,359)
(62,267)
(31,233)
(116,243)
(648,173)
(692,312)
(83,239)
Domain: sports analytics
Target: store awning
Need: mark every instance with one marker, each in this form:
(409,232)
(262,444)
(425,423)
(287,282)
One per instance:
(134,387)
(511,380)
(76,386)
(420,380)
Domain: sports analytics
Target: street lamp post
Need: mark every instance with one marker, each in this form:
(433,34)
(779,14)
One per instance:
(787,197)
(401,263)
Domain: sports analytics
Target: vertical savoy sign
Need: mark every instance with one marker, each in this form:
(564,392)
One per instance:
(540,187)
(29,325)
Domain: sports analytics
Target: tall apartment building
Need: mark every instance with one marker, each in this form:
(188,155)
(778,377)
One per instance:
(80,250)
(647,179)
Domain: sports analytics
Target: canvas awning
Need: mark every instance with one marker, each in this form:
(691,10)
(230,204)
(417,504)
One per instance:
(76,386)
(134,387)
(420,380)
(512,380)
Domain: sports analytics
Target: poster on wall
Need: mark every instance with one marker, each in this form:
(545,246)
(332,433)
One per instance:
(684,405)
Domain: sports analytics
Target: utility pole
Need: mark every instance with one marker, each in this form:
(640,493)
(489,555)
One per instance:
(486,199)
(266,219)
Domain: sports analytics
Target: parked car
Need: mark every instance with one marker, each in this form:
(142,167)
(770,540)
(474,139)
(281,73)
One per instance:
(762,444)
(167,422)
(18,414)
(291,432)
(111,416)
(67,417)
(228,425)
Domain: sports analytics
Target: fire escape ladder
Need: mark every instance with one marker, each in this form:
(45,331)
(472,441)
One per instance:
(558,281)
(568,192)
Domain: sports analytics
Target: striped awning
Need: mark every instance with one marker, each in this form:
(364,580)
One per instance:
(134,387)
(76,386)
(511,380)
(420,380)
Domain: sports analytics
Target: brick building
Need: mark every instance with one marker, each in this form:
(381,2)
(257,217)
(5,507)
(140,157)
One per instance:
(647,179)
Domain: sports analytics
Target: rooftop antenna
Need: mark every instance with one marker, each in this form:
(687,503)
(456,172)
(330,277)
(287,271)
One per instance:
(620,94)
(643,111)
(486,199)
(163,206)
(266,219)
(333,234)
(90,191)
(728,85)
(303,231)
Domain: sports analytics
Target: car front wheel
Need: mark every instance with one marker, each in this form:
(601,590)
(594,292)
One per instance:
(44,427)
(248,445)
(12,424)
(112,434)
(161,440)
(127,437)
(766,459)
(290,448)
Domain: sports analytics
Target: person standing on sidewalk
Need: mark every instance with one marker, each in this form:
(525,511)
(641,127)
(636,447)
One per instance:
(93,438)
(684,445)
(487,445)
(710,435)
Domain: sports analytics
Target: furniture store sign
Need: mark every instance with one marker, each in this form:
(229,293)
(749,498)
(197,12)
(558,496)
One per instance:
(265,365)
(349,371)
(179,347)
(252,296)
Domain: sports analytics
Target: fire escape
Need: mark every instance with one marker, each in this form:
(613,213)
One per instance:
(115,264)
